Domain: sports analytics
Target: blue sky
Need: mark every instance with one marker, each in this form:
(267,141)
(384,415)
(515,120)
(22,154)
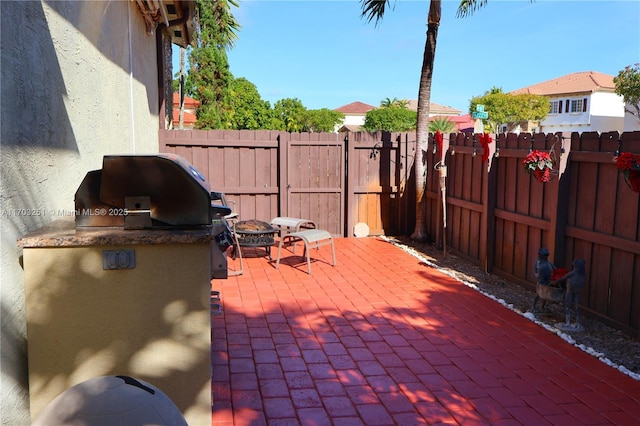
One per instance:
(326,55)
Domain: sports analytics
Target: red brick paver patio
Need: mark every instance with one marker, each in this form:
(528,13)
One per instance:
(383,339)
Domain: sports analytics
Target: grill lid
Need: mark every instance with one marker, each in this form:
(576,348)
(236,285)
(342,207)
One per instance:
(144,191)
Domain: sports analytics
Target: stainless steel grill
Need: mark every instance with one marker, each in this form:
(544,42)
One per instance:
(160,191)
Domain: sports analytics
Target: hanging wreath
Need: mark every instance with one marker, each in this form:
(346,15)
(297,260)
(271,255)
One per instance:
(629,165)
(540,164)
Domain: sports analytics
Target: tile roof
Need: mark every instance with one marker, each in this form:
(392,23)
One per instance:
(355,108)
(351,128)
(189,103)
(462,122)
(434,108)
(578,82)
(190,107)
(189,119)
(412,104)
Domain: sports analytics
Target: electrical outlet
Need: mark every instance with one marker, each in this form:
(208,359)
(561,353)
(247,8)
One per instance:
(118,259)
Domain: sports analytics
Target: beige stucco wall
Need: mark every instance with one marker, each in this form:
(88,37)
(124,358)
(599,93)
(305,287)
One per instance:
(79,80)
(151,322)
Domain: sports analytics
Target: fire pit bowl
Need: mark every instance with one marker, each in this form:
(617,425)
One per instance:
(255,233)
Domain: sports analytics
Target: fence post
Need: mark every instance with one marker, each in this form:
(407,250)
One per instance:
(398,180)
(562,205)
(490,205)
(439,223)
(283,183)
(349,174)
(408,192)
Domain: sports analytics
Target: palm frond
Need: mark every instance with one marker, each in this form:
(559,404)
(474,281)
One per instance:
(443,124)
(468,7)
(227,23)
(374,9)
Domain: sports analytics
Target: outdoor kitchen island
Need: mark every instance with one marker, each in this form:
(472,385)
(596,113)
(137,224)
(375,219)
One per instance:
(109,301)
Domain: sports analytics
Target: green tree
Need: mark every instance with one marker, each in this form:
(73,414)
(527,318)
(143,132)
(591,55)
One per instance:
(510,110)
(290,115)
(627,84)
(387,102)
(443,124)
(209,79)
(390,119)
(247,109)
(323,120)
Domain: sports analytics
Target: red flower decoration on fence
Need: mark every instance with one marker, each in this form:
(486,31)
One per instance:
(439,140)
(540,164)
(629,165)
(485,140)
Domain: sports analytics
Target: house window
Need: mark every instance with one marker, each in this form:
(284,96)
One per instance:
(577,105)
(556,107)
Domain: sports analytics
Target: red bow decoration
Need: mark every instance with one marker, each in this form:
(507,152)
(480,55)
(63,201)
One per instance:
(439,139)
(485,140)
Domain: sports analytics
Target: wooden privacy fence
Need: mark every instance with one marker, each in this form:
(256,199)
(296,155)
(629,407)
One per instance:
(497,215)
(335,179)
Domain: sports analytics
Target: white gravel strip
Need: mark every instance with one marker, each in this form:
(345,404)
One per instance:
(527,315)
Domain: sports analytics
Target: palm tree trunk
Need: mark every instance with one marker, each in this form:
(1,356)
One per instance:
(422,127)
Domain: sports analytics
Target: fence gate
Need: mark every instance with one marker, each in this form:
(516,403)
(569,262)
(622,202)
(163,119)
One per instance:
(312,178)
(377,182)
(335,179)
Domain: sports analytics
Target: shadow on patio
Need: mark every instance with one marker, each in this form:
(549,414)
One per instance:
(382,339)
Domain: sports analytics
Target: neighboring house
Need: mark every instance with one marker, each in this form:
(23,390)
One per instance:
(464,123)
(354,114)
(190,112)
(434,109)
(579,102)
(80,79)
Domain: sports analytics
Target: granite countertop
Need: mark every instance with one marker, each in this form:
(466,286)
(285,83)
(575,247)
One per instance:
(63,233)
